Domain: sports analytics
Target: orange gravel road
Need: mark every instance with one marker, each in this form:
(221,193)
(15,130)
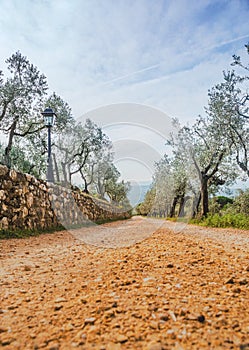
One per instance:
(134,284)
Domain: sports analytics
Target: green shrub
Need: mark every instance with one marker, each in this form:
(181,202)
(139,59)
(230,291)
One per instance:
(223,201)
(240,204)
(227,212)
(237,220)
(218,203)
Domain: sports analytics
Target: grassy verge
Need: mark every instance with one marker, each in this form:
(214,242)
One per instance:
(23,233)
(240,221)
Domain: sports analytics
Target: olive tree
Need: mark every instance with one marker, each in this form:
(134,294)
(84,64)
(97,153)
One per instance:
(21,98)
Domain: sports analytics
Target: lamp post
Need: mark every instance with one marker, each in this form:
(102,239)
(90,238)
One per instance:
(49,116)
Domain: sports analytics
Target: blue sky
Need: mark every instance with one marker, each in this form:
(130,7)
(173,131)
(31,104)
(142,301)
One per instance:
(164,54)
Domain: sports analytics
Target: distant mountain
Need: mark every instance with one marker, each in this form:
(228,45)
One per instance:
(137,192)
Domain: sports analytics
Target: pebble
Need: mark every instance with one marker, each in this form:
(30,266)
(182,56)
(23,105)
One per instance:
(26,268)
(60,300)
(113,346)
(170,266)
(243,281)
(90,320)
(3,330)
(58,307)
(230,281)
(154,346)
(201,318)
(172,315)
(120,338)
(164,317)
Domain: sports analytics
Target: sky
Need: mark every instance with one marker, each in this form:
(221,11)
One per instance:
(109,59)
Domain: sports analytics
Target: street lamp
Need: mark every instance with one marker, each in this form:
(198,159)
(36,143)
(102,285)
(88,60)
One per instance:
(49,116)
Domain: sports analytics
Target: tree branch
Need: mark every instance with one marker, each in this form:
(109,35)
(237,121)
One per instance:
(28,132)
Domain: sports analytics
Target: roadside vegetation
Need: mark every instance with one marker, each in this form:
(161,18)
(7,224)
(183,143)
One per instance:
(82,154)
(227,212)
(207,158)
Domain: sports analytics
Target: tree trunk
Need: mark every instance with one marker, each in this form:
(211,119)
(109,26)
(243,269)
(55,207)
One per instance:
(196,205)
(69,174)
(85,184)
(182,204)
(173,207)
(101,189)
(204,196)
(64,172)
(7,151)
(56,169)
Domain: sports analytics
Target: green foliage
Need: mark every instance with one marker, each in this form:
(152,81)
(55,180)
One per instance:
(22,161)
(7,234)
(21,97)
(170,183)
(240,131)
(62,110)
(146,208)
(222,201)
(218,203)
(240,204)
(238,220)
(228,212)
(117,191)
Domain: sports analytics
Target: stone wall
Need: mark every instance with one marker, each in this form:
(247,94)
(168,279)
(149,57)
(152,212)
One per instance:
(29,203)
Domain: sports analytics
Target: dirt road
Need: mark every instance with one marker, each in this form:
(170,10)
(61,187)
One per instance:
(135,284)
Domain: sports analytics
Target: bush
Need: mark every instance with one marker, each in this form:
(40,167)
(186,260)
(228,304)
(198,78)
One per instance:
(241,203)
(225,212)
(218,203)
(237,220)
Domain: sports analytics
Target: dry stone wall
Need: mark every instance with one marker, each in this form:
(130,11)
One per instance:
(29,203)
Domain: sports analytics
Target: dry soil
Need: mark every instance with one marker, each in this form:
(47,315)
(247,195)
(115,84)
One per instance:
(135,284)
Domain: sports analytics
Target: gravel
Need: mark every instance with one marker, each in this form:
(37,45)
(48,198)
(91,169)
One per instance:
(134,284)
